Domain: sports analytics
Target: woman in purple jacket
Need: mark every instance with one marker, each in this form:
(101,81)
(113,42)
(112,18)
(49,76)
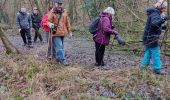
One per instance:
(102,37)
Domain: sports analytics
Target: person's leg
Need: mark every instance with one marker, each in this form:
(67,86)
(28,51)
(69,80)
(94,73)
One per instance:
(101,55)
(28,34)
(146,59)
(36,35)
(97,45)
(156,58)
(47,36)
(22,32)
(39,35)
(59,52)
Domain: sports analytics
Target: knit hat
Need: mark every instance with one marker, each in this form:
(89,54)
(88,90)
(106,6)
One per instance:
(59,1)
(161,4)
(109,10)
(35,8)
(23,10)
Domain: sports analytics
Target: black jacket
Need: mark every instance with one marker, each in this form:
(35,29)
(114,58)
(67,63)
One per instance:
(36,20)
(153,28)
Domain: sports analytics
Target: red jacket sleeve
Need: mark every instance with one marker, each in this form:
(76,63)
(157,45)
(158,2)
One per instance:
(44,20)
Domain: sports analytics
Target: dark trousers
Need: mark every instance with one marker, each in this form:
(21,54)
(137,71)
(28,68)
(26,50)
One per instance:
(37,35)
(26,36)
(99,53)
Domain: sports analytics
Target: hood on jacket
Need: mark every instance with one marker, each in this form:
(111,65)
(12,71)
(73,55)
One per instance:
(104,14)
(152,10)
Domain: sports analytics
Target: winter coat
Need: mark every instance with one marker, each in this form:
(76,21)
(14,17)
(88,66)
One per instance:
(44,22)
(23,20)
(36,20)
(105,24)
(64,26)
(152,28)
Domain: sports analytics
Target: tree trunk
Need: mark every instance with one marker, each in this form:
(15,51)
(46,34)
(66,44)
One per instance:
(38,6)
(10,49)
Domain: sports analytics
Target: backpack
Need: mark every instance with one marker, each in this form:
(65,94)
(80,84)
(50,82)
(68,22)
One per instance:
(93,27)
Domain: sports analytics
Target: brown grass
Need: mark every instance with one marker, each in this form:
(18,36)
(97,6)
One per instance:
(25,77)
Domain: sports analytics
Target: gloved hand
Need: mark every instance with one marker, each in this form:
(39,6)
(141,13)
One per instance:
(32,29)
(51,25)
(166,18)
(70,34)
(119,40)
(19,30)
(164,27)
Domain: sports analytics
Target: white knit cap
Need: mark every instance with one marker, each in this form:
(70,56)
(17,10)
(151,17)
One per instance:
(23,9)
(161,4)
(109,10)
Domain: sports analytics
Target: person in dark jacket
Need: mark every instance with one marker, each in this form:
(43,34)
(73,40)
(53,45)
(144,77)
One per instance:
(102,37)
(151,35)
(36,23)
(24,24)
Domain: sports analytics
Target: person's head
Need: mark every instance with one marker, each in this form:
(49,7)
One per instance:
(59,4)
(35,10)
(110,11)
(23,10)
(161,5)
(50,8)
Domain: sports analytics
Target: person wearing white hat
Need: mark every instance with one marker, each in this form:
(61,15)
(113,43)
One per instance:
(102,36)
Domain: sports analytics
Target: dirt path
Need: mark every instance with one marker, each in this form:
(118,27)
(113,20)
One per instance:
(79,51)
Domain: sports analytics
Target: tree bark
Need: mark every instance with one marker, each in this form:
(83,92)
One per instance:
(10,49)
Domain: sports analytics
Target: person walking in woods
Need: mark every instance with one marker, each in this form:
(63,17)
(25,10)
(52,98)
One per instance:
(102,37)
(24,24)
(151,35)
(44,25)
(60,27)
(36,23)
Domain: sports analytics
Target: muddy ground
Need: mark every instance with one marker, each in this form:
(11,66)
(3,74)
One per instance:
(80,51)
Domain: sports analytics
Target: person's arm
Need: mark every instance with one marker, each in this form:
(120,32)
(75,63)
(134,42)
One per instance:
(156,20)
(68,25)
(50,20)
(30,20)
(18,21)
(105,22)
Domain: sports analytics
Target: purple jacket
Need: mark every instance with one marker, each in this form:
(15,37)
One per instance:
(105,24)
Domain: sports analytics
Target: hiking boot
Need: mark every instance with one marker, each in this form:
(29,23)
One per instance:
(30,46)
(65,63)
(102,64)
(24,44)
(160,72)
(96,64)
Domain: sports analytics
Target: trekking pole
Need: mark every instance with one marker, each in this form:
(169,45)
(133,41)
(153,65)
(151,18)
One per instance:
(50,44)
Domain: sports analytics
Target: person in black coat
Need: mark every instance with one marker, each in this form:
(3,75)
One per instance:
(36,23)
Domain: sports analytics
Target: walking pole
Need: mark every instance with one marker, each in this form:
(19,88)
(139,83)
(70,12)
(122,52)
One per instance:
(50,44)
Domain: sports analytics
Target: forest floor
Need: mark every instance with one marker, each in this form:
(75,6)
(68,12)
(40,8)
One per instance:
(31,76)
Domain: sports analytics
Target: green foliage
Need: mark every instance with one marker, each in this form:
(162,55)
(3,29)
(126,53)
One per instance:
(16,96)
(33,69)
(94,7)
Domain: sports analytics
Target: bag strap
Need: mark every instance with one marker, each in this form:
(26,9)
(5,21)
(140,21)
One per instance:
(59,18)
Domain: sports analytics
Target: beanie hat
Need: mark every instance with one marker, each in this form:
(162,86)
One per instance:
(23,10)
(35,8)
(59,1)
(109,10)
(161,4)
